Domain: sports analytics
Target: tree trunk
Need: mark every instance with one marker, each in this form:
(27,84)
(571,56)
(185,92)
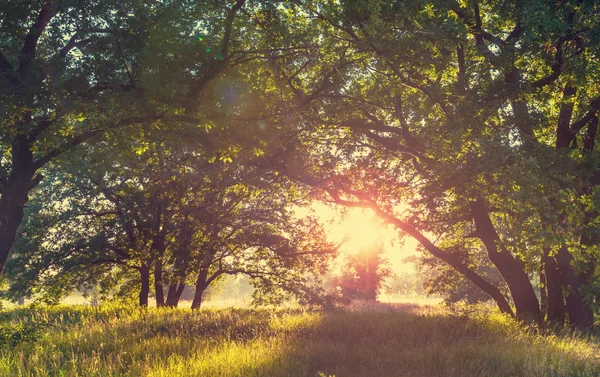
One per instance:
(581,315)
(21,300)
(451,259)
(200,288)
(511,269)
(543,291)
(14,196)
(158,283)
(145,289)
(556,301)
(174,294)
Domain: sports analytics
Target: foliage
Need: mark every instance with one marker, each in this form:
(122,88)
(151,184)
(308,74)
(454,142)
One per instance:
(470,126)
(407,284)
(480,117)
(364,274)
(167,208)
(30,331)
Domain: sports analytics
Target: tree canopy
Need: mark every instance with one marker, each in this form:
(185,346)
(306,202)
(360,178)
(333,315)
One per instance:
(186,132)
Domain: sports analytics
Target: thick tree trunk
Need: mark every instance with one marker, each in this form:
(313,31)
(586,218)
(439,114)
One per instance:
(21,300)
(581,315)
(145,289)
(511,269)
(556,302)
(174,294)
(13,196)
(158,283)
(12,202)
(200,288)
(197,303)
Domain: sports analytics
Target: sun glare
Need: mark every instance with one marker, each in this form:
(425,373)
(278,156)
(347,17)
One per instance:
(360,228)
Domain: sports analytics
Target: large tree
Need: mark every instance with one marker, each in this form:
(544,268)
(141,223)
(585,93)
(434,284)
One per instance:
(481,116)
(72,69)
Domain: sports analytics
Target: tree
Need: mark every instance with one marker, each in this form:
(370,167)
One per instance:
(72,69)
(457,114)
(170,212)
(365,273)
(468,125)
(67,72)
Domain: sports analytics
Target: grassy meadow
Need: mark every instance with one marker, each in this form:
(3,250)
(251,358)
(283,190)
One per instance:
(385,341)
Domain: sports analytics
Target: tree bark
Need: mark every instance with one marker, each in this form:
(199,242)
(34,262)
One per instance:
(174,294)
(581,315)
(511,269)
(145,289)
(553,288)
(543,291)
(13,196)
(158,283)
(200,288)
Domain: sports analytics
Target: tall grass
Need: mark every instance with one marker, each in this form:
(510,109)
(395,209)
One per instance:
(125,341)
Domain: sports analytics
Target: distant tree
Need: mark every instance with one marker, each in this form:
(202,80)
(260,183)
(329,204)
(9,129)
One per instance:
(407,284)
(364,273)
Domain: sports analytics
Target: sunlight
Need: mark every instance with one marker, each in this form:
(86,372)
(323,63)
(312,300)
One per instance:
(361,228)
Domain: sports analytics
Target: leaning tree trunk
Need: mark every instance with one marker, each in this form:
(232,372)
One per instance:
(174,294)
(581,315)
(200,288)
(553,289)
(145,288)
(511,269)
(452,260)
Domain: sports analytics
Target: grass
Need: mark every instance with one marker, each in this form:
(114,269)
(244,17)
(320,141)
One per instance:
(411,341)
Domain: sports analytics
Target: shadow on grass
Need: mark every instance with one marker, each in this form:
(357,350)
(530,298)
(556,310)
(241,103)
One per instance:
(399,341)
(379,340)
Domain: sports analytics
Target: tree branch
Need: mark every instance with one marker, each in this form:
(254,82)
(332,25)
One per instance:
(28,52)
(229,26)
(592,111)
(451,259)
(78,139)
(557,68)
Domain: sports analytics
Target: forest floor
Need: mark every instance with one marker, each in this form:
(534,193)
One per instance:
(387,340)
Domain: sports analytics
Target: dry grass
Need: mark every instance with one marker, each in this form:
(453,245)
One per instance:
(389,341)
